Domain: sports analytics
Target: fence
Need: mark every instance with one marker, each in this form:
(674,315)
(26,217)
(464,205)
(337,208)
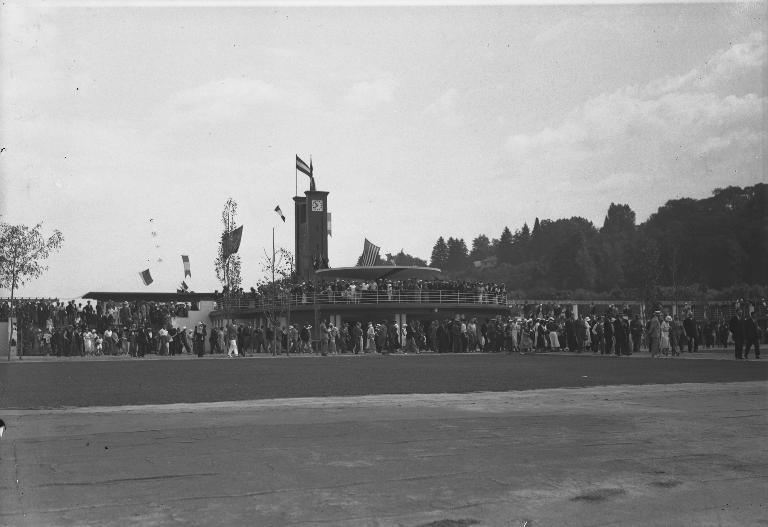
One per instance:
(362,297)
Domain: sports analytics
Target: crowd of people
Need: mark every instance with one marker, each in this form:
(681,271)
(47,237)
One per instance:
(370,291)
(105,328)
(140,328)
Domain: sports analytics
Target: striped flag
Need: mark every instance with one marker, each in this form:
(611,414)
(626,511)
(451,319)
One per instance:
(145,277)
(187,272)
(301,166)
(280,213)
(370,253)
(230,241)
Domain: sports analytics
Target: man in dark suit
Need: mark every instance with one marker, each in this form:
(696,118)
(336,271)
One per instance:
(751,335)
(691,333)
(736,325)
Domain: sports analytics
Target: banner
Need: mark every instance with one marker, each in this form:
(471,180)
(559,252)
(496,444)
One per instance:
(145,277)
(301,166)
(185,260)
(370,253)
(329,223)
(230,241)
(280,213)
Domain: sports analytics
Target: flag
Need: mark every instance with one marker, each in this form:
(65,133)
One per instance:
(183,287)
(230,241)
(301,166)
(370,253)
(280,213)
(329,223)
(146,277)
(187,272)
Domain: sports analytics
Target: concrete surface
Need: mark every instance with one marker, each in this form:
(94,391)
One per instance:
(674,454)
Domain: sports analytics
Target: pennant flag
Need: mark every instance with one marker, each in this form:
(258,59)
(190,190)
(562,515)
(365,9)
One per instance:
(329,223)
(231,241)
(185,260)
(301,166)
(370,253)
(280,213)
(146,277)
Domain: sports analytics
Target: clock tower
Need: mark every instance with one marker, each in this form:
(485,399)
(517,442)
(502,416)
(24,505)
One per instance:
(311,233)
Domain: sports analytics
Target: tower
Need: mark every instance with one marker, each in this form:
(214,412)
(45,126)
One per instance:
(311,233)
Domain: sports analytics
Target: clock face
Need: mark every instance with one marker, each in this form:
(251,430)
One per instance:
(317,205)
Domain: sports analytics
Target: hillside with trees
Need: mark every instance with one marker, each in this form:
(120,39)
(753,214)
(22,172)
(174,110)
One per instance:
(715,247)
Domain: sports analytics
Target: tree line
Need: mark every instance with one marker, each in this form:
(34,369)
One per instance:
(688,248)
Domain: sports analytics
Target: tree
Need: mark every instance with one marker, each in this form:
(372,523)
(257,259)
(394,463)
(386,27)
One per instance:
(23,250)
(620,220)
(405,259)
(481,248)
(458,255)
(277,271)
(504,248)
(228,265)
(439,254)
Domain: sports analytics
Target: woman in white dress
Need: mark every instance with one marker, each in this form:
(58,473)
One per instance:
(665,327)
(88,343)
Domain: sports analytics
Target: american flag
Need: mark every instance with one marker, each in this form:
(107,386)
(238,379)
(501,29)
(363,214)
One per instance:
(370,253)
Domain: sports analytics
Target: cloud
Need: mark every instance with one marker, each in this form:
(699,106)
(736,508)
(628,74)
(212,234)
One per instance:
(228,98)
(369,94)
(651,141)
(445,108)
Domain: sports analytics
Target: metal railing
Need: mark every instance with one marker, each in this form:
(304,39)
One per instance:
(361,297)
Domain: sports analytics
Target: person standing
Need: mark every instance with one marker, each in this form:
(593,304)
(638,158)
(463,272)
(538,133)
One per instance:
(691,333)
(357,337)
(198,339)
(736,326)
(636,332)
(232,340)
(665,329)
(751,335)
(654,334)
(323,338)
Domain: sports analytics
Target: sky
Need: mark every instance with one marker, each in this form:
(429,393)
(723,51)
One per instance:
(421,120)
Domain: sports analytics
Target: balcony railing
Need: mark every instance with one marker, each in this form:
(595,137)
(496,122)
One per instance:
(360,297)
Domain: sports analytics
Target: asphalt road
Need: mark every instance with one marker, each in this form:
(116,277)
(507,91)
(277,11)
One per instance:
(61,384)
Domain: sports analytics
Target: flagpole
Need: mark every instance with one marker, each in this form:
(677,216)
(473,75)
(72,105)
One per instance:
(274,292)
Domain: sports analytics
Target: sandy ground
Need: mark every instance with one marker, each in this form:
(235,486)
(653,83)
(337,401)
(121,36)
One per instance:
(674,454)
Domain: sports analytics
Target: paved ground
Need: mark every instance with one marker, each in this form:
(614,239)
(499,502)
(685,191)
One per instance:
(689,451)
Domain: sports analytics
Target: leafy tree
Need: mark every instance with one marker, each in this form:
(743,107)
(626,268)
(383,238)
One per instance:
(439,254)
(481,248)
(458,255)
(23,251)
(405,259)
(505,247)
(228,266)
(620,220)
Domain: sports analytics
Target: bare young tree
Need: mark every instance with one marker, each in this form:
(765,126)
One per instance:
(23,251)
(228,265)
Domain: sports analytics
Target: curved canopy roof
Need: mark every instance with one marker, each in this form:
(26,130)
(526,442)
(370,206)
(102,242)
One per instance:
(376,272)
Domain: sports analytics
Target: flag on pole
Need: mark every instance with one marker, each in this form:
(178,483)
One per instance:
(230,241)
(185,260)
(329,223)
(146,277)
(370,253)
(183,286)
(301,166)
(280,213)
